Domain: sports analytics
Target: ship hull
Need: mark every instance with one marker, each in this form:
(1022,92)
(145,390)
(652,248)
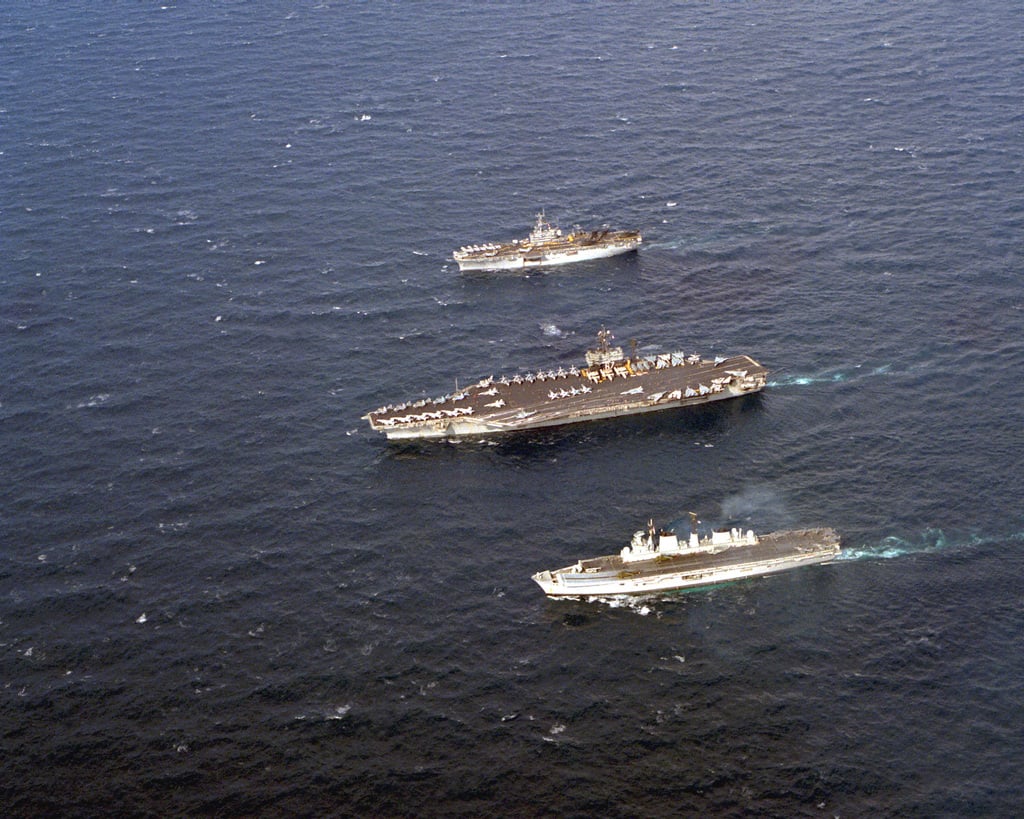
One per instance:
(523,261)
(610,576)
(492,407)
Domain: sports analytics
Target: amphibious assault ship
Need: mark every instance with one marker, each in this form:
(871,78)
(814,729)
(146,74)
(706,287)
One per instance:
(659,562)
(546,246)
(611,384)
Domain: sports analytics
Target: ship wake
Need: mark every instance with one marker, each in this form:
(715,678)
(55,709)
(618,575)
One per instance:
(929,541)
(858,372)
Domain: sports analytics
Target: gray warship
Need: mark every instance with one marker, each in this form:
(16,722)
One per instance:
(657,562)
(611,384)
(547,246)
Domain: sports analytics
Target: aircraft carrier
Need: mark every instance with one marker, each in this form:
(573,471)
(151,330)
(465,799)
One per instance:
(546,246)
(654,563)
(610,385)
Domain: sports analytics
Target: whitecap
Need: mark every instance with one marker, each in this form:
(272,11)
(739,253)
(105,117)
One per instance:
(339,712)
(97,400)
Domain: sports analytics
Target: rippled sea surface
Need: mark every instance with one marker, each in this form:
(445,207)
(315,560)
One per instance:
(226,233)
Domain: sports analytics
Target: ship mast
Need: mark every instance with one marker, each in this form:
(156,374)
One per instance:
(603,353)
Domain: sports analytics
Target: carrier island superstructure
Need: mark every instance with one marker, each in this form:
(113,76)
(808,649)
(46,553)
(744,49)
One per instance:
(611,384)
(547,246)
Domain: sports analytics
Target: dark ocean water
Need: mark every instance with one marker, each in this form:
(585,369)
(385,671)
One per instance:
(225,232)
